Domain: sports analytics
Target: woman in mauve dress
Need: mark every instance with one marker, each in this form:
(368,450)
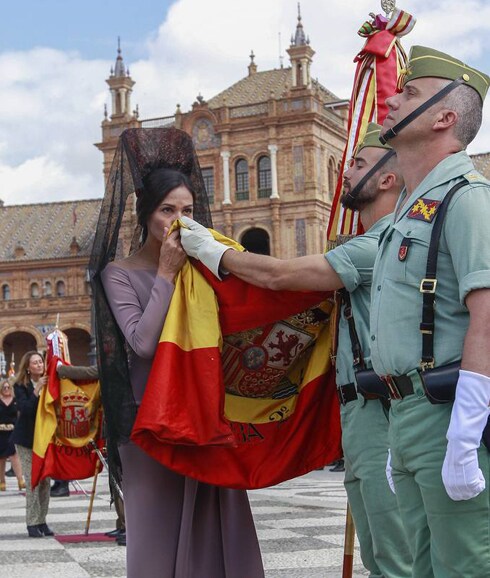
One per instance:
(176,526)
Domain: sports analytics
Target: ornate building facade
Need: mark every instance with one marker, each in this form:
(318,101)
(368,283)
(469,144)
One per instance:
(269,148)
(44,251)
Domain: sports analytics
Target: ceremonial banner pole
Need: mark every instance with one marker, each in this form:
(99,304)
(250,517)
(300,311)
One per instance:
(103,461)
(349,538)
(92,496)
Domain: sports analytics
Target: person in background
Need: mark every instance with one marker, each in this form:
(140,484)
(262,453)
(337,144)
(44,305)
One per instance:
(91,373)
(8,416)
(29,381)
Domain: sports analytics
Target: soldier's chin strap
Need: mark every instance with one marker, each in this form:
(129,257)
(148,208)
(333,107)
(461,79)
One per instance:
(358,188)
(390,133)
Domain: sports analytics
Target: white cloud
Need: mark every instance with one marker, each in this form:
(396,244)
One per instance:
(41,179)
(52,101)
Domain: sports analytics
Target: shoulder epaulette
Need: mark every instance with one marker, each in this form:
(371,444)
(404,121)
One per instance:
(474,177)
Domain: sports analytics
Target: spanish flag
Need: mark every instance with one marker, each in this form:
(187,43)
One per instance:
(378,65)
(68,418)
(241,393)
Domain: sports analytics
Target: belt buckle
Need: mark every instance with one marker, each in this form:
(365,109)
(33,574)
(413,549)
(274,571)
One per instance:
(428,285)
(392,387)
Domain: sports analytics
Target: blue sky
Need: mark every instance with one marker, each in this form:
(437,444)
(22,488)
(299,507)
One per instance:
(55,56)
(90,27)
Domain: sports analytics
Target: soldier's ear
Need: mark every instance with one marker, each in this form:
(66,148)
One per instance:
(386,181)
(444,119)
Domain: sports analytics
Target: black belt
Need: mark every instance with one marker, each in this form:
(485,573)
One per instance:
(348,392)
(399,386)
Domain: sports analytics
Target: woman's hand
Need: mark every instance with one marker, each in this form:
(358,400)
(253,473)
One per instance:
(172,256)
(42,381)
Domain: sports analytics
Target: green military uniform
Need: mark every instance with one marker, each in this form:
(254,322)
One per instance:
(384,550)
(448,539)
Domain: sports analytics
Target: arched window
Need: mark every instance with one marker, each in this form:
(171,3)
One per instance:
(35,291)
(241,180)
(256,241)
(5,292)
(332,178)
(264,177)
(60,288)
(48,289)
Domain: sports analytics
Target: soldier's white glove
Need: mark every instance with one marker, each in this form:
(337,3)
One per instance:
(199,243)
(389,477)
(461,473)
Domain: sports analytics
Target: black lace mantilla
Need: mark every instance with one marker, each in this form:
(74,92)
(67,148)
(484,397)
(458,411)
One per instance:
(139,152)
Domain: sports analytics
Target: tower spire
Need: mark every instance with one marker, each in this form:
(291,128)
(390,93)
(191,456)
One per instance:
(252,67)
(120,115)
(301,54)
(299,37)
(119,68)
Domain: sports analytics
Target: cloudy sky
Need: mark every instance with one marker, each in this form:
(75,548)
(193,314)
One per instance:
(56,54)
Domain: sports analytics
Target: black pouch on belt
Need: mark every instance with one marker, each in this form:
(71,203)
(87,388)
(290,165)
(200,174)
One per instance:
(440,387)
(440,383)
(369,382)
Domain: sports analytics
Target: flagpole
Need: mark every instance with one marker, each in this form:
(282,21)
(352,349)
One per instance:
(349,537)
(92,496)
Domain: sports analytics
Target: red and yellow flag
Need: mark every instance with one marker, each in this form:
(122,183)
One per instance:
(378,66)
(241,393)
(68,418)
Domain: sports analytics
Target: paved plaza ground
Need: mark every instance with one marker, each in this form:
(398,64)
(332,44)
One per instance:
(300,525)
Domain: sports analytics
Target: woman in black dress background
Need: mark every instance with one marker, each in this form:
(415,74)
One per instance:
(8,417)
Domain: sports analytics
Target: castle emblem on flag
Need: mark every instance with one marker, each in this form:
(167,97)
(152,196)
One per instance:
(424,210)
(75,415)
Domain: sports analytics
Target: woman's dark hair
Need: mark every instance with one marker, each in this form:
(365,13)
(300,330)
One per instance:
(157,185)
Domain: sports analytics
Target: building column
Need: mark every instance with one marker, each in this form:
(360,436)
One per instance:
(273,152)
(123,93)
(225,155)
(304,69)
(276,228)
(228,220)
(114,105)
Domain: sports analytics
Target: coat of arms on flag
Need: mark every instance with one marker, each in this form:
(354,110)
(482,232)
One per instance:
(68,419)
(241,392)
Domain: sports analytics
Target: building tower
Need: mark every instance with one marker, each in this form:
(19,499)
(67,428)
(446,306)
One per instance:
(301,55)
(121,117)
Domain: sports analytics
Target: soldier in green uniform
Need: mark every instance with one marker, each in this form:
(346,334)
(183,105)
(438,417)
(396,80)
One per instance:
(439,465)
(372,185)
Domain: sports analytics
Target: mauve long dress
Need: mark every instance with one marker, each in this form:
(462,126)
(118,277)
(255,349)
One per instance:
(176,526)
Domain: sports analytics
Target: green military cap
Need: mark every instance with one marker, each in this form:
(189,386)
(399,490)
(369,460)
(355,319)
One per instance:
(371,139)
(424,61)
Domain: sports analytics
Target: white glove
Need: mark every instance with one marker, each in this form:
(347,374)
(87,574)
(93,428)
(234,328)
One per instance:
(389,477)
(461,473)
(199,243)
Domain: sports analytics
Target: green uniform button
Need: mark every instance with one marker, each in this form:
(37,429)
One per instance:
(373,337)
(379,287)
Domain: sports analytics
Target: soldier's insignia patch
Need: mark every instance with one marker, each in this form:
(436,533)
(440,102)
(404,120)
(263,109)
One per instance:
(424,210)
(404,247)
